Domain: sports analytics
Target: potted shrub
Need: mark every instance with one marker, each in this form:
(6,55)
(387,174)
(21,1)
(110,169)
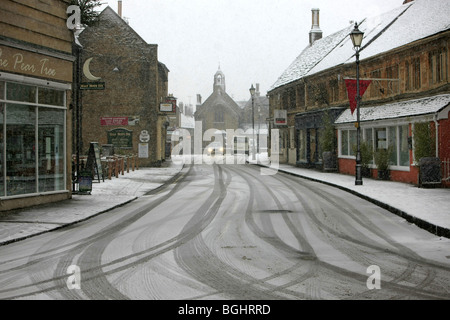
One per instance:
(328,143)
(382,158)
(424,153)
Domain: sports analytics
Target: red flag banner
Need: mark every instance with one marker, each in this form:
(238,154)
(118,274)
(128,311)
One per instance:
(351,91)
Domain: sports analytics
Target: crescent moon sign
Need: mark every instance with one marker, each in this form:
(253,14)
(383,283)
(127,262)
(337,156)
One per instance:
(87,71)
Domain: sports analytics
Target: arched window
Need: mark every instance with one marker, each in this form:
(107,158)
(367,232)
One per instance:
(218,117)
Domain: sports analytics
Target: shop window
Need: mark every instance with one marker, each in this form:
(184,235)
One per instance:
(33,149)
(348,142)
(51,146)
(381,138)
(393,145)
(51,97)
(302,145)
(20,149)
(2,164)
(368,138)
(404,145)
(20,92)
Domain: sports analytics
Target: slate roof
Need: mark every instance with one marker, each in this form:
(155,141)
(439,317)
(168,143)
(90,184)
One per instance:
(410,108)
(407,23)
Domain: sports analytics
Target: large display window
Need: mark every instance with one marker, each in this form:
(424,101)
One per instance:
(32,139)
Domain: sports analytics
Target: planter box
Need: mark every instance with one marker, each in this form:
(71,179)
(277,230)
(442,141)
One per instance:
(429,172)
(329,161)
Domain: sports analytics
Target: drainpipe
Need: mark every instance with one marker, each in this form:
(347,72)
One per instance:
(436,125)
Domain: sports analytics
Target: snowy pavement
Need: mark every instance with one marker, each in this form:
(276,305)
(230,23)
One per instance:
(105,196)
(428,208)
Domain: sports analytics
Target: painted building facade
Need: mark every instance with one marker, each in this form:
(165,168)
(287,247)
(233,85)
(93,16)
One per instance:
(36,74)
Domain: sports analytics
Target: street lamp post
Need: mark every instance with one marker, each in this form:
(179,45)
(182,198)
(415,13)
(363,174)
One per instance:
(357,36)
(252,92)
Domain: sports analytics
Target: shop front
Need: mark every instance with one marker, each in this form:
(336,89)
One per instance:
(391,127)
(35,88)
(308,126)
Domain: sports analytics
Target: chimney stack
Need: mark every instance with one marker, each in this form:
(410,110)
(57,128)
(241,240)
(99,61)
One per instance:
(119,8)
(315,33)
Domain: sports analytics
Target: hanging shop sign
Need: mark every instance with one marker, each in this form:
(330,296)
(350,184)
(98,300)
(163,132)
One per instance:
(92,86)
(280,117)
(169,106)
(120,138)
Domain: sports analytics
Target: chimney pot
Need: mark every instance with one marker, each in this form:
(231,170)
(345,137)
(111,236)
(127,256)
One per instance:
(119,8)
(315,33)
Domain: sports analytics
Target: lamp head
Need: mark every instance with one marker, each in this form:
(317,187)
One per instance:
(252,90)
(357,36)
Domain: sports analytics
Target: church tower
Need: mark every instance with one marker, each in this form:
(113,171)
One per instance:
(219,81)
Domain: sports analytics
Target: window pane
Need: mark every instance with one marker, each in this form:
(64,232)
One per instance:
(2,165)
(20,92)
(51,96)
(352,147)
(51,149)
(369,139)
(404,148)
(2,90)
(344,142)
(381,138)
(302,144)
(393,145)
(20,149)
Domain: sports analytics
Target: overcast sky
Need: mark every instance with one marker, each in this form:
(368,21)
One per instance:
(253,41)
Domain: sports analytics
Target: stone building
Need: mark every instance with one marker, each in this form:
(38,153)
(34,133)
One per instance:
(130,109)
(36,74)
(405,55)
(219,111)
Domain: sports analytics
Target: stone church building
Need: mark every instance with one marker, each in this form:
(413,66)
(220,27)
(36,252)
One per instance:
(219,111)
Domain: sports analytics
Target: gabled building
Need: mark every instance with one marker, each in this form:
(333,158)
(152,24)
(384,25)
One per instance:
(219,111)
(405,54)
(126,112)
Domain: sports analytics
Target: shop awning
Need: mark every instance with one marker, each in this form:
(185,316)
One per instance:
(403,109)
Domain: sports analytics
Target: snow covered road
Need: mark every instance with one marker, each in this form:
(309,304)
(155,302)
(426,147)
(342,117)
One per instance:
(227,232)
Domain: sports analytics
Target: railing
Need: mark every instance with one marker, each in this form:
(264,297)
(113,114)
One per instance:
(115,165)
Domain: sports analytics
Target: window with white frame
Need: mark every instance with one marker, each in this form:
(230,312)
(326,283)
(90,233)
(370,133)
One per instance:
(32,139)
(396,137)
(347,142)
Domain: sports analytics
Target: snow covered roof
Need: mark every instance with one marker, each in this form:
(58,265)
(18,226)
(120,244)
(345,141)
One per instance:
(186,121)
(408,23)
(429,105)
(310,56)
